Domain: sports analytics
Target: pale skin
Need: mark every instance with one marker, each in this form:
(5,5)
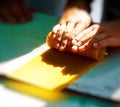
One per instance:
(98,36)
(75,30)
(70,24)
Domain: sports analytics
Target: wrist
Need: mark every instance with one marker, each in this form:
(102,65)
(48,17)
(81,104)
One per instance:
(80,4)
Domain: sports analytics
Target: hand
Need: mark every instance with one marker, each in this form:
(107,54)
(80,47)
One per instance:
(71,23)
(14,11)
(98,35)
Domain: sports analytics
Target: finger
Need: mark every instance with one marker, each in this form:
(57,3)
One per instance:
(25,9)
(82,48)
(54,32)
(55,41)
(56,44)
(100,36)
(74,48)
(5,15)
(85,46)
(58,36)
(69,26)
(87,34)
(64,41)
(77,39)
(108,41)
(16,11)
(55,29)
(66,37)
(63,44)
(78,28)
(60,31)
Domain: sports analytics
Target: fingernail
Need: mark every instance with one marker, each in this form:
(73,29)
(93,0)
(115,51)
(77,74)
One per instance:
(74,48)
(61,48)
(53,36)
(74,41)
(95,44)
(82,48)
(57,46)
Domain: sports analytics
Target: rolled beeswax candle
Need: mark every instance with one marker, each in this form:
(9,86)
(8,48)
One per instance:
(94,53)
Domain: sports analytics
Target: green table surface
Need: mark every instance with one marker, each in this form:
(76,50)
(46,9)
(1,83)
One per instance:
(19,39)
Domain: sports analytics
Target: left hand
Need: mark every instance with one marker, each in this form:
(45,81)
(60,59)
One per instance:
(98,35)
(73,21)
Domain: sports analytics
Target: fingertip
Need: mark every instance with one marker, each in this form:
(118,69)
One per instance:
(95,45)
(74,41)
(98,45)
(53,35)
(63,45)
(62,48)
(82,48)
(55,28)
(57,45)
(74,49)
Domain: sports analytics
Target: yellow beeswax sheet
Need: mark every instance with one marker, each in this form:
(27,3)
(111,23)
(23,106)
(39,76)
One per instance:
(53,70)
(34,91)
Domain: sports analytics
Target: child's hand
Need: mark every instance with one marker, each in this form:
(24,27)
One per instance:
(72,22)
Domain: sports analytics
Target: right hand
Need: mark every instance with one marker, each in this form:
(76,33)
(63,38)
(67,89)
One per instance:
(98,36)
